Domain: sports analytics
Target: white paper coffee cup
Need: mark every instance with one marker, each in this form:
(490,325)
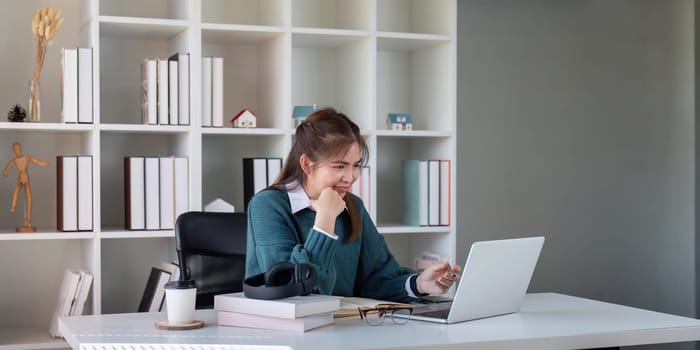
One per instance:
(180,297)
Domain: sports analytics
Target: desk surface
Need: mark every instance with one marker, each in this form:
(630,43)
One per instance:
(545,321)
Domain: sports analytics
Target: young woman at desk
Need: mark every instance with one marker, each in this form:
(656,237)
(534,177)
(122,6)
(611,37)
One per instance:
(309,216)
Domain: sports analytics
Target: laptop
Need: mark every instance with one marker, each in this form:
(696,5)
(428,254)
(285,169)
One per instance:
(494,281)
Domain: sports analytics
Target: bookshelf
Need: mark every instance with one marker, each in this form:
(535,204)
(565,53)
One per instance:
(366,58)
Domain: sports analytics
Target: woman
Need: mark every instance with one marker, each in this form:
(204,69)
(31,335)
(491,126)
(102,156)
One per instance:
(310,216)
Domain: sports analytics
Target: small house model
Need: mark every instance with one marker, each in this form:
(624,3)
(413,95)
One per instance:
(220,206)
(301,112)
(399,121)
(244,119)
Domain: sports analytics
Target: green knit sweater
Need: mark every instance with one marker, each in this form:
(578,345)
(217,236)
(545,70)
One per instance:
(363,267)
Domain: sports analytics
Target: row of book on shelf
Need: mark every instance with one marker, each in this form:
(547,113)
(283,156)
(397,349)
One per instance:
(72,297)
(77,85)
(165,90)
(74,193)
(427,191)
(156,191)
(261,172)
(153,297)
(212,91)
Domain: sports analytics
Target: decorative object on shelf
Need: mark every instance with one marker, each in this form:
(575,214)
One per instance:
(16,114)
(399,121)
(220,206)
(300,112)
(45,24)
(21,162)
(244,119)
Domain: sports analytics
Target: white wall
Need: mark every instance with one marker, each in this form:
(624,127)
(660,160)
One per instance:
(576,121)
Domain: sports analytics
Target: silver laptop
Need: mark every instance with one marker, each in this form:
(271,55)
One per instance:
(494,281)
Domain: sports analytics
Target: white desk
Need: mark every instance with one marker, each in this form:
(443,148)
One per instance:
(545,321)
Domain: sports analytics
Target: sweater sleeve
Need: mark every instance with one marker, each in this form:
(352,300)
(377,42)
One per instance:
(379,274)
(273,236)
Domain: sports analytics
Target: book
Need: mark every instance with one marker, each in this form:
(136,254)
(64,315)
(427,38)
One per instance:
(182,185)
(154,292)
(289,308)
(69,90)
(162,94)
(433,192)
(67,193)
(183,77)
(445,192)
(254,178)
(206,91)
(134,187)
(167,193)
(301,324)
(366,187)
(85,88)
(149,91)
(82,292)
(152,193)
(274,166)
(85,207)
(66,297)
(217,92)
(415,188)
(173,92)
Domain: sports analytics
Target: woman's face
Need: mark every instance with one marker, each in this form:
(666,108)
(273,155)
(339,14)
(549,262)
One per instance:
(339,174)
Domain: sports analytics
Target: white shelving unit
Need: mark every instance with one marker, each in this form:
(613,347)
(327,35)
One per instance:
(366,58)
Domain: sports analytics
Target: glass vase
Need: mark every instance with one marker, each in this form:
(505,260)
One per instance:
(33,101)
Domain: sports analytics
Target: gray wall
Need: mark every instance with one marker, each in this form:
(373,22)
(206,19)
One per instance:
(576,121)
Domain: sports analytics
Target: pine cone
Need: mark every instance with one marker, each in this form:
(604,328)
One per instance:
(17,114)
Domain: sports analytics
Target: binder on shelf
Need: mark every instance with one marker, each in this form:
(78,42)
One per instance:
(258,173)
(182,186)
(134,191)
(183,77)
(66,298)
(149,92)
(152,196)
(82,292)
(445,192)
(217,92)
(289,308)
(415,190)
(433,192)
(162,88)
(206,92)
(167,193)
(85,193)
(67,193)
(69,90)
(85,85)
(301,324)
(173,91)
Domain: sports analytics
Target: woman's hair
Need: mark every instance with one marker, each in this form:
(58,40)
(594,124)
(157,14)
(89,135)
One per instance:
(325,134)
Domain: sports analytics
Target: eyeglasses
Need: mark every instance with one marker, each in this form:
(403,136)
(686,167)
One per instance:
(374,316)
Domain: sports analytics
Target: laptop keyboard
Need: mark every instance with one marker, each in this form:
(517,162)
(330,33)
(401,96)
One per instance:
(435,314)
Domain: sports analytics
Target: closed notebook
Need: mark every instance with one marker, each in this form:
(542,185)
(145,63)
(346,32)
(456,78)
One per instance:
(302,324)
(290,308)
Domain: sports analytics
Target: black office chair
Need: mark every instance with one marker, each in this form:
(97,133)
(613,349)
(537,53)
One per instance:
(211,250)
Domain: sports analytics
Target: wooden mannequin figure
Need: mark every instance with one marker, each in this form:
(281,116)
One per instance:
(21,162)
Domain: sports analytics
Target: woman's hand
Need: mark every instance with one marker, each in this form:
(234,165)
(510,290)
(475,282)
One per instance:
(438,278)
(328,206)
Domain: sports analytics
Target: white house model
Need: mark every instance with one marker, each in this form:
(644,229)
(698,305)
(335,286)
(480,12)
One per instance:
(244,119)
(399,121)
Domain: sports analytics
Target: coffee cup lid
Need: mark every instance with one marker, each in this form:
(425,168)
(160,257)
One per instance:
(180,284)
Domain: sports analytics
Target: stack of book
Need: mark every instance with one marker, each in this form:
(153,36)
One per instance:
(72,297)
(299,314)
(74,193)
(165,90)
(76,85)
(258,173)
(212,91)
(153,298)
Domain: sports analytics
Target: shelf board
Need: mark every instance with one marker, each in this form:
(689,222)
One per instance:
(144,129)
(414,133)
(325,38)
(51,127)
(400,229)
(141,28)
(247,131)
(47,235)
(214,33)
(408,41)
(29,338)
(121,233)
